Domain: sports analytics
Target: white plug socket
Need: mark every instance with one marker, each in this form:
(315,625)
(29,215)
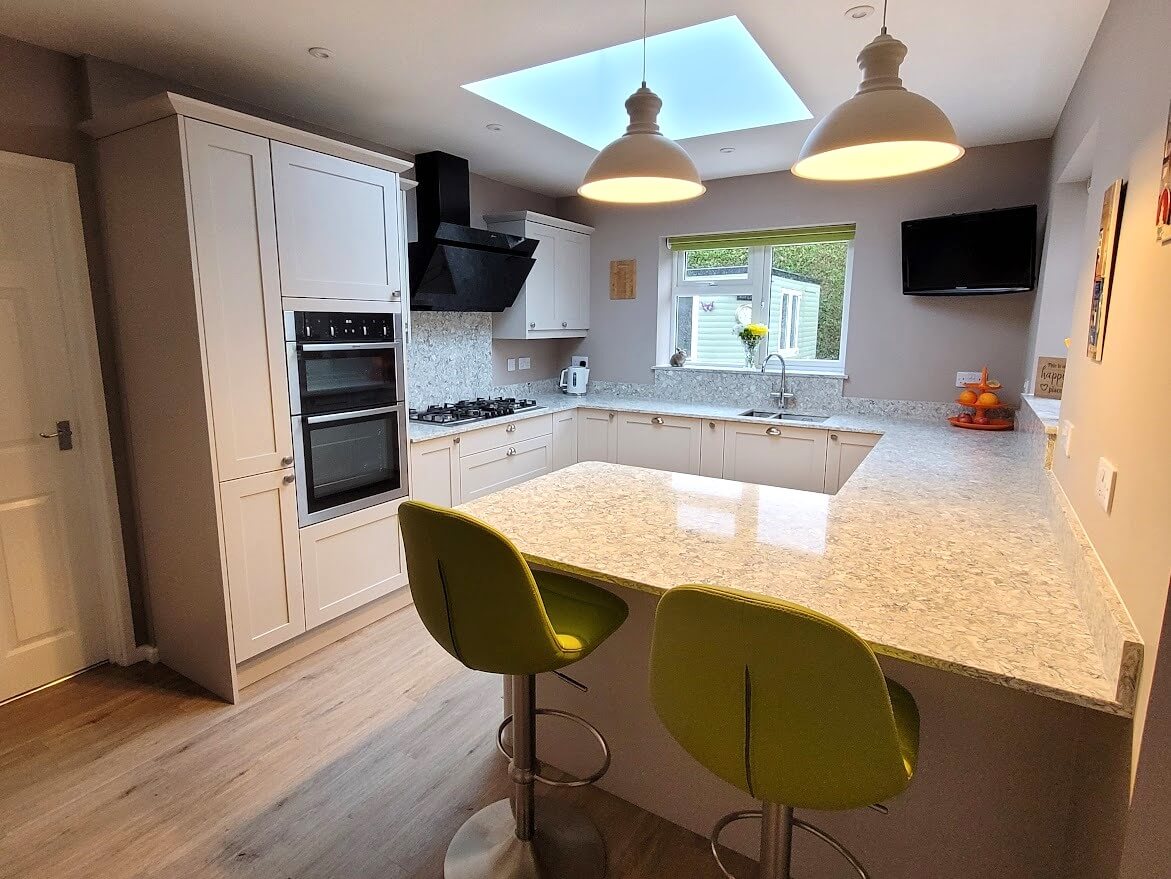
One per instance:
(512,364)
(967,378)
(1104,484)
(525,363)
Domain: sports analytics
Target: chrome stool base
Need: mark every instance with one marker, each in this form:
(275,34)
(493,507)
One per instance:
(776,841)
(565,845)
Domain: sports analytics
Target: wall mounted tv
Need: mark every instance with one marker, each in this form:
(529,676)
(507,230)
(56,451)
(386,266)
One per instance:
(971,254)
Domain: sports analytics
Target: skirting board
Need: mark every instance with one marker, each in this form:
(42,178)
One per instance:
(272,661)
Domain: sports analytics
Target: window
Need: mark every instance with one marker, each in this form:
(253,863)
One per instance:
(795,282)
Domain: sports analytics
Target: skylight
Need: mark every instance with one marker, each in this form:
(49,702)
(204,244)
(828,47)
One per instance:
(712,77)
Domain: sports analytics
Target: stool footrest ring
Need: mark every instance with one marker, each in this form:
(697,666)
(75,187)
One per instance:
(565,715)
(745,814)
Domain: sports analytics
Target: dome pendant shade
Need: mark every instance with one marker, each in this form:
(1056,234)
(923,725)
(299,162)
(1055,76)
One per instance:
(642,166)
(883,131)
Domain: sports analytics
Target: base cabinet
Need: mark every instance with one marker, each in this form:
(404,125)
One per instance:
(564,438)
(597,436)
(351,560)
(263,561)
(435,471)
(711,448)
(659,442)
(789,457)
(496,469)
(844,454)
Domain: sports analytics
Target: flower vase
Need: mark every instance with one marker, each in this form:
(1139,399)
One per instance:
(750,355)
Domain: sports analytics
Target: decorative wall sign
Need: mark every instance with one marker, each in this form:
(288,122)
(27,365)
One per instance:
(1163,217)
(1104,267)
(1050,377)
(623,275)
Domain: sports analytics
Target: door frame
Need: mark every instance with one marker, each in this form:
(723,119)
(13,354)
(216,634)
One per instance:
(81,338)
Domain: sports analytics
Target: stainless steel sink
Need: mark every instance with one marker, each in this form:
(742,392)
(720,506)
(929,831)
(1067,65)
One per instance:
(782,416)
(758,413)
(807,419)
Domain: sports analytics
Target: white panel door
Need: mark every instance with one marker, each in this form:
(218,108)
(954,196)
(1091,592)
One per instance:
(659,442)
(773,455)
(230,176)
(845,454)
(564,438)
(540,290)
(711,448)
(435,471)
(597,436)
(337,226)
(496,469)
(572,288)
(351,560)
(263,561)
(50,611)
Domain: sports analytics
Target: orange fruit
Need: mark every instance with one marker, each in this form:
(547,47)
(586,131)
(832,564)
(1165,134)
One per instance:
(968,398)
(988,399)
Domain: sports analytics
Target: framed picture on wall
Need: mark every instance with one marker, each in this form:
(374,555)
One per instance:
(1104,267)
(1163,214)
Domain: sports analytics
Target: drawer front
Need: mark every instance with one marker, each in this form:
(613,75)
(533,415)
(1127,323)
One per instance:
(495,469)
(476,441)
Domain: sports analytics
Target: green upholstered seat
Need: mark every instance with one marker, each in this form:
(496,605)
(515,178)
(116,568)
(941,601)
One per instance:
(782,702)
(481,602)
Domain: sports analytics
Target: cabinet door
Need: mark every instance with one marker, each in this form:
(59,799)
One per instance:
(790,457)
(435,471)
(564,438)
(845,452)
(338,226)
(540,290)
(496,469)
(240,299)
(711,448)
(660,442)
(263,561)
(597,436)
(572,288)
(351,560)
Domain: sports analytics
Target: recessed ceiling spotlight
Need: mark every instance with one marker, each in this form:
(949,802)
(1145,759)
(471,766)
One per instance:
(494,126)
(321,52)
(727,149)
(862,11)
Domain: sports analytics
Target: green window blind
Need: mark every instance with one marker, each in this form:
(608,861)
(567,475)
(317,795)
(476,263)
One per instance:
(763,238)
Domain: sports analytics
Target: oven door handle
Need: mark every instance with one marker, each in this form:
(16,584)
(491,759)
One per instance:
(350,416)
(347,346)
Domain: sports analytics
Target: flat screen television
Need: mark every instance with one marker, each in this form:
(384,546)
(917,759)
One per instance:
(971,254)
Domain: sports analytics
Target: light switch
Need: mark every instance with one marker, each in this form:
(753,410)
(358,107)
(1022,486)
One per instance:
(525,363)
(1104,484)
(512,364)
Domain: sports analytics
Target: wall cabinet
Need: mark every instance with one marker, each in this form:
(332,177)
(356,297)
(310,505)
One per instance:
(351,560)
(434,471)
(338,224)
(790,457)
(496,469)
(597,435)
(844,453)
(555,300)
(263,561)
(659,442)
(564,438)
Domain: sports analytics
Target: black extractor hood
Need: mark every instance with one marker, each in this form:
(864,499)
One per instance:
(453,266)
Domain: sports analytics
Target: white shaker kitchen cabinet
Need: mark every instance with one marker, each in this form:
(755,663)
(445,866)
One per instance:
(496,469)
(564,438)
(711,448)
(844,453)
(597,436)
(351,560)
(337,226)
(766,454)
(435,471)
(263,561)
(230,181)
(555,300)
(659,442)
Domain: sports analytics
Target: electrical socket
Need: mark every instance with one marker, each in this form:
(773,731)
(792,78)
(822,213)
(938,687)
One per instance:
(1104,483)
(967,378)
(512,364)
(525,363)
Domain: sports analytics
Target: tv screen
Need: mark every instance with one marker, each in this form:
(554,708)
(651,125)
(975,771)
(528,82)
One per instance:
(968,254)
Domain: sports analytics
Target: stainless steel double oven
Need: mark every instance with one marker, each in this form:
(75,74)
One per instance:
(347,390)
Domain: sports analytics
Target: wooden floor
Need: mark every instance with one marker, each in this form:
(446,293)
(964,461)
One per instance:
(360,761)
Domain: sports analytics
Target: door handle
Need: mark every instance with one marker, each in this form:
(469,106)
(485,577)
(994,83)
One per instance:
(63,435)
(287,461)
(510,429)
(289,478)
(510,452)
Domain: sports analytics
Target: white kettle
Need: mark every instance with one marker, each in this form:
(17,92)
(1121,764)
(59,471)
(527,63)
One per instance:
(574,380)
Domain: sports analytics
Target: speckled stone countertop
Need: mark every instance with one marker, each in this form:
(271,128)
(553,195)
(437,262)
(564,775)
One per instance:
(936,550)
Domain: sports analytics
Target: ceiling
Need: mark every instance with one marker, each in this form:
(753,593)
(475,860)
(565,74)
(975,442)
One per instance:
(1000,69)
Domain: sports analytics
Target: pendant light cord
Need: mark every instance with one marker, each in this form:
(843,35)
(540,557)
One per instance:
(644,2)
(884,2)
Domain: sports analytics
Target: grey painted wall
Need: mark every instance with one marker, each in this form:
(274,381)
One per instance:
(898,347)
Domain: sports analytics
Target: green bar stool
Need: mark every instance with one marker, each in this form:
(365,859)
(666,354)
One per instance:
(786,704)
(479,599)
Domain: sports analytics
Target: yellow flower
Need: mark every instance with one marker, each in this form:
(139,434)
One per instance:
(758,330)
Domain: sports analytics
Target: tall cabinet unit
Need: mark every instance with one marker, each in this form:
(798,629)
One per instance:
(214,221)
(555,300)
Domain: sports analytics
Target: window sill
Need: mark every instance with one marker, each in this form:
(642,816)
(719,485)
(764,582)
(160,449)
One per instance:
(811,373)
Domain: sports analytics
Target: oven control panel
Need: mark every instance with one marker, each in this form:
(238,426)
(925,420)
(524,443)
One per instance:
(336,326)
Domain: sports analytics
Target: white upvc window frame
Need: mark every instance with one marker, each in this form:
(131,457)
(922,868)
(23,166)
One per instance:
(759,285)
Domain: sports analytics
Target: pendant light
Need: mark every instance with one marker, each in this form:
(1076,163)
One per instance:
(884,130)
(642,166)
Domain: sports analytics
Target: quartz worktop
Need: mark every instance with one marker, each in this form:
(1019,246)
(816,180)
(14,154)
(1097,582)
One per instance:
(936,550)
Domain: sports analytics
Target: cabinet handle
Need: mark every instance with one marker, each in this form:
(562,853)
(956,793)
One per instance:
(511,452)
(564,324)
(532,325)
(773,431)
(712,425)
(397,294)
(510,429)
(834,437)
(656,420)
(455,441)
(611,416)
(289,479)
(287,461)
